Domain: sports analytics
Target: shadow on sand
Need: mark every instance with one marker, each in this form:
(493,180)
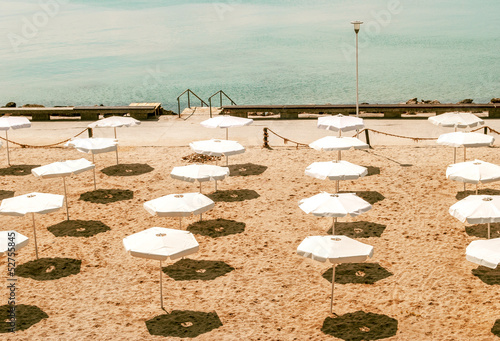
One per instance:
(26,316)
(216,228)
(358,229)
(127,169)
(496,328)
(359,273)
(360,326)
(371,196)
(372,170)
(6,194)
(183,323)
(485,191)
(18,170)
(46,269)
(78,228)
(106,196)
(234,195)
(189,270)
(481,230)
(246,169)
(487,275)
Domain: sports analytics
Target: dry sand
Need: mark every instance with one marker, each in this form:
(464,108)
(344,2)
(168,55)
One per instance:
(422,279)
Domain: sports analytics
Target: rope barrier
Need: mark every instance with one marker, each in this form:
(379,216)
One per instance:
(487,128)
(416,139)
(366,130)
(44,146)
(285,140)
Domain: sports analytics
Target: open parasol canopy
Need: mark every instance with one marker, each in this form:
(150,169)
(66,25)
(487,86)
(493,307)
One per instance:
(200,173)
(12,122)
(226,121)
(160,243)
(115,122)
(216,147)
(179,205)
(40,203)
(336,250)
(62,170)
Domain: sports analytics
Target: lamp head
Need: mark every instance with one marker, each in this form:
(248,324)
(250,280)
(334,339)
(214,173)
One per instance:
(357,25)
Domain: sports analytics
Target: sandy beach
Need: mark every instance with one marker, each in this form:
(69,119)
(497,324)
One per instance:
(247,274)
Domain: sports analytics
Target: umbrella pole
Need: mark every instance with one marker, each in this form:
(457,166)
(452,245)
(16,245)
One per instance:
(34,233)
(333,287)
(161,288)
(227,161)
(454,155)
(333,225)
(95,187)
(339,155)
(116,148)
(7,140)
(200,186)
(216,185)
(476,189)
(180,223)
(337,186)
(201,218)
(66,198)
(226,133)
(489,232)
(465,151)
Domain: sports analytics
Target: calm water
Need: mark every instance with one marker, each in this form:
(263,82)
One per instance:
(76,52)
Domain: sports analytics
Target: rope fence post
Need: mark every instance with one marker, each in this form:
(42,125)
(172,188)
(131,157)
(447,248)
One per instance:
(90,132)
(486,130)
(367,138)
(266,139)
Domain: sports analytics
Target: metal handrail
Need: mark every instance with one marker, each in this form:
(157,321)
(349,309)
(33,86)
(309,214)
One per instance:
(220,93)
(189,91)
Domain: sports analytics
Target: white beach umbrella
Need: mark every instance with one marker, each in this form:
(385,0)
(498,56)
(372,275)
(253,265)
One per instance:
(161,243)
(484,252)
(200,173)
(340,123)
(93,145)
(334,205)
(333,143)
(456,120)
(336,170)
(473,172)
(217,147)
(226,121)
(62,170)
(179,205)
(12,240)
(336,250)
(466,140)
(40,203)
(477,209)
(14,122)
(115,122)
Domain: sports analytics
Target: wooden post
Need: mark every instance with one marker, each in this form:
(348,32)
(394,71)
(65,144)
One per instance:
(367,137)
(266,139)
(90,132)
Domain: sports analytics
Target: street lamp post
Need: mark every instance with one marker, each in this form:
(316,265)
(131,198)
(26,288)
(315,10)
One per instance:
(357,25)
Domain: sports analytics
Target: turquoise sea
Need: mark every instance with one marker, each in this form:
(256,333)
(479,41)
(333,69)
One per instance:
(85,52)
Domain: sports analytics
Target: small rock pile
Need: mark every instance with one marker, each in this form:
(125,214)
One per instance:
(200,158)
